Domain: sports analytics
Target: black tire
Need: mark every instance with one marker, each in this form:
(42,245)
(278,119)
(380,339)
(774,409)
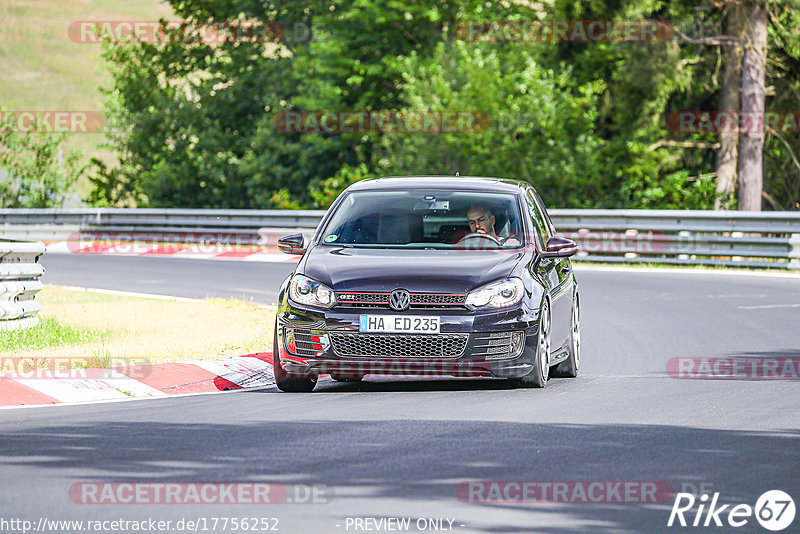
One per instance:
(569,367)
(346,377)
(285,381)
(540,373)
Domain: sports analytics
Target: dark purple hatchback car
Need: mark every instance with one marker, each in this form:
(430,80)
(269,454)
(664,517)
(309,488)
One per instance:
(451,276)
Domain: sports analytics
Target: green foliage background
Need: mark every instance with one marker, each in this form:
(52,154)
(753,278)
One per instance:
(35,171)
(194,125)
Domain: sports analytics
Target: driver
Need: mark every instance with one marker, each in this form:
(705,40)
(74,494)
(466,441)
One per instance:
(481,221)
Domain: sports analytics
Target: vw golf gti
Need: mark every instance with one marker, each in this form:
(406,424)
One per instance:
(458,276)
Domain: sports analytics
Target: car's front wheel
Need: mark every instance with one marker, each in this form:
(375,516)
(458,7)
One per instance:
(286,381)
(540,373)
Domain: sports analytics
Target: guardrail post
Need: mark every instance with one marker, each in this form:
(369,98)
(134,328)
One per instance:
(794,252)
(684,237)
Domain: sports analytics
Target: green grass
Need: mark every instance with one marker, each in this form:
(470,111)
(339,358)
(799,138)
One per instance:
(109,329)
(48,333)
(42,69)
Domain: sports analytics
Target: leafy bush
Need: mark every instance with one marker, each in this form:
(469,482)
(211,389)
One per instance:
(34,170)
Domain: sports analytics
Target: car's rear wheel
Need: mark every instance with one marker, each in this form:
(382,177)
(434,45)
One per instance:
(285,381)
(540,373)
(569,367)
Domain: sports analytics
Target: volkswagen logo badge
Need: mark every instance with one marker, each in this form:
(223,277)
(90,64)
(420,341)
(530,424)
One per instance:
(399,300)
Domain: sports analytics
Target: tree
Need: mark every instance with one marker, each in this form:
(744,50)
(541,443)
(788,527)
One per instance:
(533,124)
(754,61)
(644,165)
(782,144)
(354,63)
(741,147)
(184,112)
(730,101)
(583,120)
(34,171)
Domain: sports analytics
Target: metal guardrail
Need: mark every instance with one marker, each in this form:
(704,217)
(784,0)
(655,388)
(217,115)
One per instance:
(257,227)
(754,239)
(19,283)
(733,238)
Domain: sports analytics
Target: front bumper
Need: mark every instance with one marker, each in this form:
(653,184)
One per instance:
(487,344)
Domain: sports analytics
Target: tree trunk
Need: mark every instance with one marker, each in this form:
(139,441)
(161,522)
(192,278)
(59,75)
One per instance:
(729,103)
(751,144)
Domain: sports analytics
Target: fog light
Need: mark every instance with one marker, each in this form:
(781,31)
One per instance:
(504,346)
(517,343)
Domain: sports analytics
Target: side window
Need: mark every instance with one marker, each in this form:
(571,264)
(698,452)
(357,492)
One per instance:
(537,217)
(547,220)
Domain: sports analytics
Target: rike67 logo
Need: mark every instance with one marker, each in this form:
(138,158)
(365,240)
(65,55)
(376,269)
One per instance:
(774,510)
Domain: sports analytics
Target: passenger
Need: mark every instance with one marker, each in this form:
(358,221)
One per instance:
(481,221)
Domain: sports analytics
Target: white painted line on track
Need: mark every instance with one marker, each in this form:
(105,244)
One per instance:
(127,293)
(769,306)
(114,386)
(244,372)
(662,270)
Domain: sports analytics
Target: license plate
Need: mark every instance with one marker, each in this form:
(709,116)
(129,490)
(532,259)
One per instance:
(414,324)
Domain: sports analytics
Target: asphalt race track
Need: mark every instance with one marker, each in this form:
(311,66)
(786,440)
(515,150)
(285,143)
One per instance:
(168,276)
(394,447)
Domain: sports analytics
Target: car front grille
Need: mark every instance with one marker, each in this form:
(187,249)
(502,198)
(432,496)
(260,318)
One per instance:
(357,299)
(399,345)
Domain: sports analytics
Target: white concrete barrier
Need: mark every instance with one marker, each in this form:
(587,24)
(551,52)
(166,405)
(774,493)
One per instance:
(19,283)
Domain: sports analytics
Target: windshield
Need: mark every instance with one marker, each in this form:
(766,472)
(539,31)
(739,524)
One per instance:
(426,219)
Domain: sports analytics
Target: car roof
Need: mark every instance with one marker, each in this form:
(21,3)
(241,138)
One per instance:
(477,183)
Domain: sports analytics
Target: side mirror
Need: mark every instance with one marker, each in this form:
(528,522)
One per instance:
(291,244)
(560,247)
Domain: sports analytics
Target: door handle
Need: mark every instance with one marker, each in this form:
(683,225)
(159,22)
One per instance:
(565,268)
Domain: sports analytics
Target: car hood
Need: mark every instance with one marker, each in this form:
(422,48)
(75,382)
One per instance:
(439,271)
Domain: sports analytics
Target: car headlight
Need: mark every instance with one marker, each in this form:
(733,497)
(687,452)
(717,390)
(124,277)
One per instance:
(500,294)
(304,290)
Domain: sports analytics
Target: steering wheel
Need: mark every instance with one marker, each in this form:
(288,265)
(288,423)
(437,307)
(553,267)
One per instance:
(477,235)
